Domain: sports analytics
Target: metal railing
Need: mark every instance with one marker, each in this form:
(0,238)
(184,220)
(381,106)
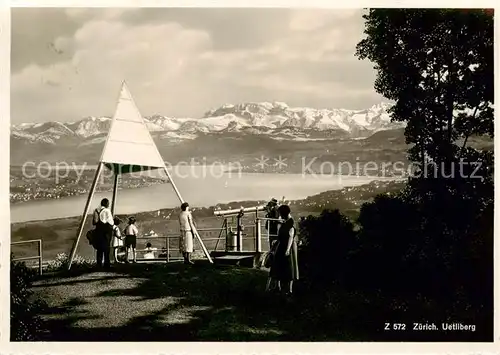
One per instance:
(39,257)
(167,249)
(162,251)
(255,233)
(249,232)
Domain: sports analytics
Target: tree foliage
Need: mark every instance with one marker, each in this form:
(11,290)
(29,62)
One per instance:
(437,65)
(432,242)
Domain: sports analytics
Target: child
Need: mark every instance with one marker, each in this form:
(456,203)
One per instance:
(131,233)
(117,238)
(149,253)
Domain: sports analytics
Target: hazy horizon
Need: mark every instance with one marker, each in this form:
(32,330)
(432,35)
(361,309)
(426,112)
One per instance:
(68,63)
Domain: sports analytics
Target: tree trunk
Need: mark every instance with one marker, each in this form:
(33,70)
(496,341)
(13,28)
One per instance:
(450,99)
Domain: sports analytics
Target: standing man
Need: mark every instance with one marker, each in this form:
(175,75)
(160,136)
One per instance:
(103,222)
(187,229)
(272,226)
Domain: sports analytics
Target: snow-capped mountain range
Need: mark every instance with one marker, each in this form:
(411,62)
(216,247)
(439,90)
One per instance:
(276,120)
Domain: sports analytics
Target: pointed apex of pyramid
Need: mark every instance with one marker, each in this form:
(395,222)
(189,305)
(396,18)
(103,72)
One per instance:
(125,92)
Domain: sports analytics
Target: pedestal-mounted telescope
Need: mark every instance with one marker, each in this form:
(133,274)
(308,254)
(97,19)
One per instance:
(235,212)
(234,239)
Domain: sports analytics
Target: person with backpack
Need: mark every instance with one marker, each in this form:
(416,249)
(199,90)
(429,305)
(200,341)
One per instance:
(103,222)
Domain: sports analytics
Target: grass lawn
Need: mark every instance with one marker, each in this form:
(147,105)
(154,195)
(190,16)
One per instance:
(204,302)
(172,302)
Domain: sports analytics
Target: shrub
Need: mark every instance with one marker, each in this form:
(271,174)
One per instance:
(25,321)
(61,262)
(439,247)
(420,258)
(326,241)
(387,252)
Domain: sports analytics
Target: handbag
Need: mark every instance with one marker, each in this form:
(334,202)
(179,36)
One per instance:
(269,258)
(91,237)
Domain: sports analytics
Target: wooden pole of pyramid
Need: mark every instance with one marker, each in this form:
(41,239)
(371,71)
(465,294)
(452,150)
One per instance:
(205,251)
(173,184)
(85,213)
(128,145)
(115,192)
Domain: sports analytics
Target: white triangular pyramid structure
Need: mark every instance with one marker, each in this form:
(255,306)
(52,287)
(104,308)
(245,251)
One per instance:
(129,148)
(129,143)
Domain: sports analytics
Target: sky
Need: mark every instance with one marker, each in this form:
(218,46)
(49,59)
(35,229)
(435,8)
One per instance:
(68,63)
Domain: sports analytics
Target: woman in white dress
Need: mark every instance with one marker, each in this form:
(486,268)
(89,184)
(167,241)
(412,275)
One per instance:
(186,229)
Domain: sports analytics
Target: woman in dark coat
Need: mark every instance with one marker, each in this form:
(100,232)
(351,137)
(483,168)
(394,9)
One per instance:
(285,264)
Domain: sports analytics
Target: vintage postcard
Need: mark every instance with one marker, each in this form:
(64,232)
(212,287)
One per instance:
(262,175)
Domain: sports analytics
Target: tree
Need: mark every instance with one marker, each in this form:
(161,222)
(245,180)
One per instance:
(437,65)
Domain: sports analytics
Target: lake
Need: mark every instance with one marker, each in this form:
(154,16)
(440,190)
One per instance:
(200,186)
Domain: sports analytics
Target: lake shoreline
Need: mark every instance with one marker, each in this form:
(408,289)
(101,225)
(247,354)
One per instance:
(226,168)
(198,191)
(58,232)
(228,204)
(15,200)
